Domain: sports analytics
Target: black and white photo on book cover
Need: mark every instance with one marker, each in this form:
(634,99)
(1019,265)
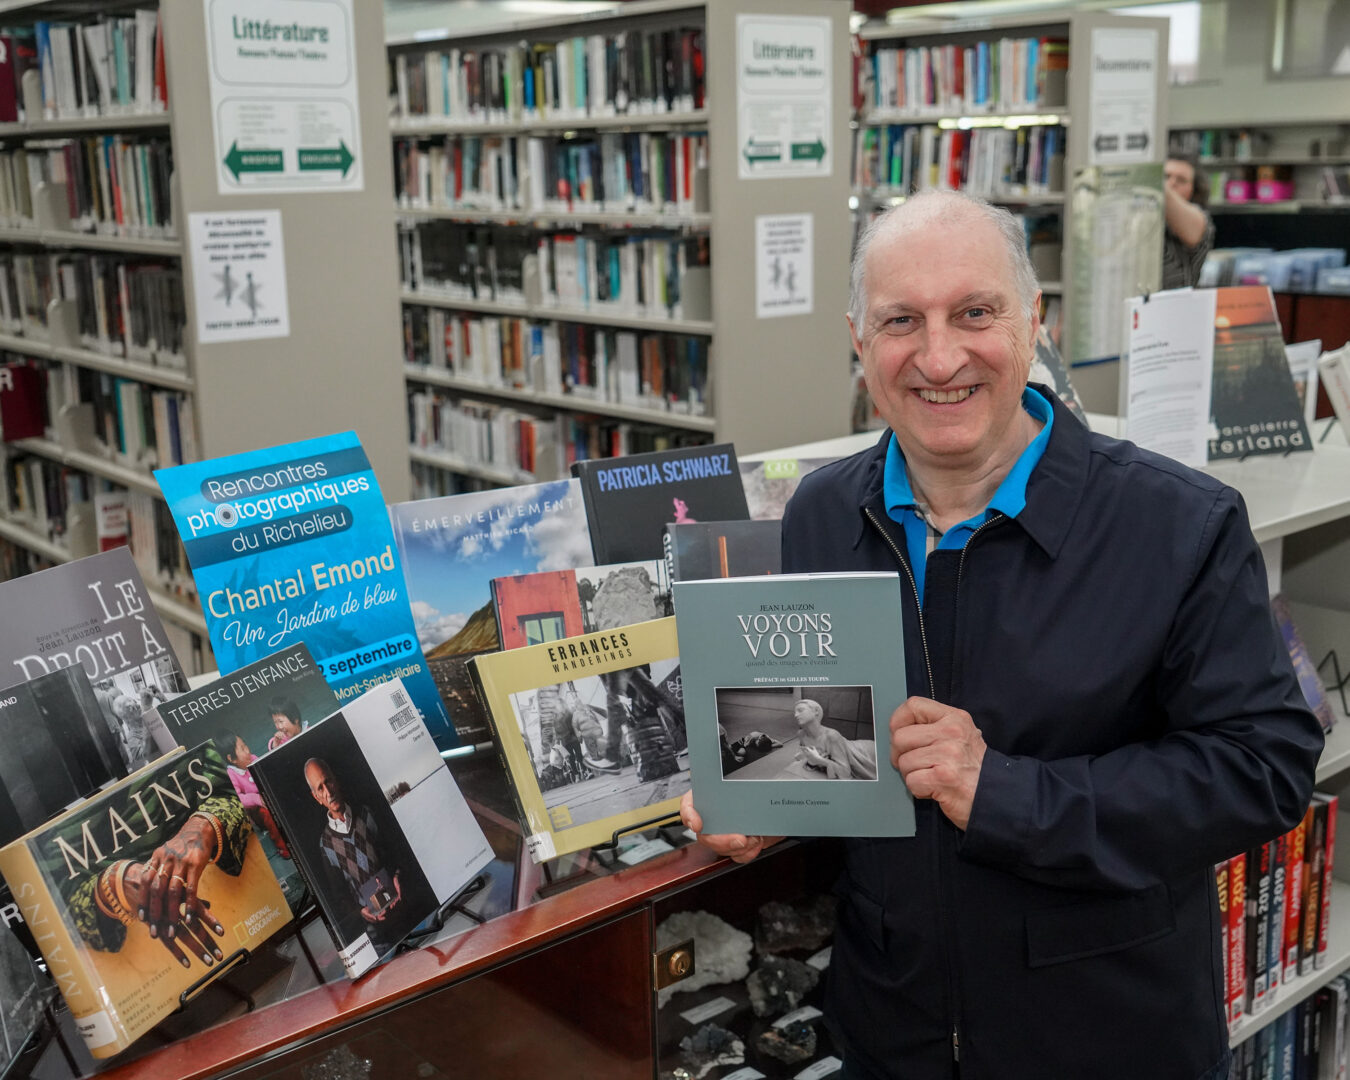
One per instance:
(60,747)
(375,821)
(797,732)
(94,612)
(603,745)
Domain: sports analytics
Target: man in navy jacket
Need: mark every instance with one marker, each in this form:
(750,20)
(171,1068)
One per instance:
(1103,708)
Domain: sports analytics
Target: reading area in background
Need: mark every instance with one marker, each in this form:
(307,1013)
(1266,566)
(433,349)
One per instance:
(790,681)
(375,821)
(293,544)
(452,548)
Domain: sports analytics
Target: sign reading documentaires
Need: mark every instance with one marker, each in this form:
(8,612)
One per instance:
(294,544)
(284,103)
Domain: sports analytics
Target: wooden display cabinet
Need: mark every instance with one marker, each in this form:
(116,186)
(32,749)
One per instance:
(557,982)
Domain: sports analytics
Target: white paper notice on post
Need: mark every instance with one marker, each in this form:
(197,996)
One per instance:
(783,265)
(239,276)
(1170,373)
(284,105)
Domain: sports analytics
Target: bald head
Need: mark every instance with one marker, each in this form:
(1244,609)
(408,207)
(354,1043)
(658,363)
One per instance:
(323,786)
(947,210)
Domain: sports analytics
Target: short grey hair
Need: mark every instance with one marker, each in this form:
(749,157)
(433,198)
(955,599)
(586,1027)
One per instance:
(938,204)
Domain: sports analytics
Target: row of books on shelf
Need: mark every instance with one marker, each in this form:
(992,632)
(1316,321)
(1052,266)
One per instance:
(1292,270)
(1275,902)
(651,274)
(628,171)
(1308,1042)
(632,72)
(129,423)
(123,306)
(984,161)
(1000,75)
(108,66)
(664,372)
(500,437)
(83,514)
(110,185)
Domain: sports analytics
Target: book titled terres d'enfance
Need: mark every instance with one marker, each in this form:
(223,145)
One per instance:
(81,878)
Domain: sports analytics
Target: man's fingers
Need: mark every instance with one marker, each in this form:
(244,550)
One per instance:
(692,819)
(919,710)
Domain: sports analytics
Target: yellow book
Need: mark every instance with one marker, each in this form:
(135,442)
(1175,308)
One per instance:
(83,879)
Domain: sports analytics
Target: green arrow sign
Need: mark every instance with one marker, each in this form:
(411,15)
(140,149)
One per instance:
(327,158)
(760,152)
(808,151)
(247,161)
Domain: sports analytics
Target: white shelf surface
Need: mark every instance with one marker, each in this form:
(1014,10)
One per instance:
(1284,206)
(178,611)
(1029,116)
(1288,494)
(639,218)
(136,479)
(170,378)
(1304,986)
(68,238)
(492,473)
(1044,198)
(439,125)
(599,317)
(75,125)
(568,402)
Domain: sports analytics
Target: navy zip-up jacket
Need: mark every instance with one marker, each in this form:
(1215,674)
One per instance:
(1114,645)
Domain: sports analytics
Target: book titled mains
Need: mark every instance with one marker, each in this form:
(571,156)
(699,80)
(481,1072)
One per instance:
(82,878)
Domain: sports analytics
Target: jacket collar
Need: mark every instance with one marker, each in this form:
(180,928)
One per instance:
(1054,490)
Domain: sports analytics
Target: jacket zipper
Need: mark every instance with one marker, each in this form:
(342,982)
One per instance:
(932,689)
(914,585)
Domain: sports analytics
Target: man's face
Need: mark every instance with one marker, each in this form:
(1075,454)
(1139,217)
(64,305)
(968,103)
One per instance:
(324,787)
(1179,176)
(285,725)
(944,342)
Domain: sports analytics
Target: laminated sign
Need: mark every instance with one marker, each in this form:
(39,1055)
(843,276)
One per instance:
(293,544)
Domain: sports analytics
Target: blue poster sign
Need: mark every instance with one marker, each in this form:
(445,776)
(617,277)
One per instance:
(293,544)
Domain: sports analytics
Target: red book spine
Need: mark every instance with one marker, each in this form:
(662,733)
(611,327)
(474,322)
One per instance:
(1221,887)
(161,77)
(1293,905)
(1332,803)
(1237,937)
(1314,861)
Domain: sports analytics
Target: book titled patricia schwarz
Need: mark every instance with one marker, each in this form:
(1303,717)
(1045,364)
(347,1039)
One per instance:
(176,827)
(789,685)
(630,500)
(293,544)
